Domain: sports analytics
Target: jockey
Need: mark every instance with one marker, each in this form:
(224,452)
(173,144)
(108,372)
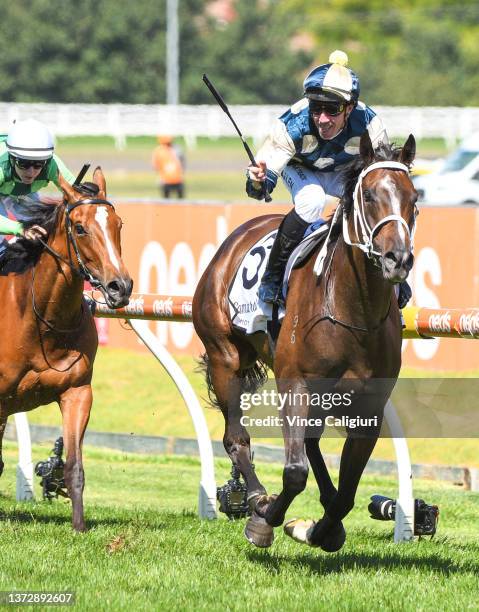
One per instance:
(307,147)
(27,164)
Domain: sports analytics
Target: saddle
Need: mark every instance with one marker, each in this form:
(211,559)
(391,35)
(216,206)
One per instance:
(247,313)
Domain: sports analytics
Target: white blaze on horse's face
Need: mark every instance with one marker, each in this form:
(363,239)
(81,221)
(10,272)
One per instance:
(101,217)
(390,188)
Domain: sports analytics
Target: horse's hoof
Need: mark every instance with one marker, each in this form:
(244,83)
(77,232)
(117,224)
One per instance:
(330,537)
(258,532)
(300,530)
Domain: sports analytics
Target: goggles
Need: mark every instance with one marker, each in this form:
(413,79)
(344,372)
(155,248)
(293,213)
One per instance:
(328,108)
(24,164)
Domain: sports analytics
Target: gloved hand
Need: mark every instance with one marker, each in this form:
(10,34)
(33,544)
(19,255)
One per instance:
(34,232)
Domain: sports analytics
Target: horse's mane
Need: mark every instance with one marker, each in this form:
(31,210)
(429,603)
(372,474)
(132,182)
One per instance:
(22,253)
(351,172)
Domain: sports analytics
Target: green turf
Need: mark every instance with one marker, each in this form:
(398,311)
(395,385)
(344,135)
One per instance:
(146,550)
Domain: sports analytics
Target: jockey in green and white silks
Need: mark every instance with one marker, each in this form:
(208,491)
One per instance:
(27,164)
(307,147)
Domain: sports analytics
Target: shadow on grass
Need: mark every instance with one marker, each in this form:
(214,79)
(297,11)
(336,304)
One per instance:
(338,563)
(39,516)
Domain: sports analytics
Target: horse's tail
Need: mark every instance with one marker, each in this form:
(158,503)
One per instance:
(251,378)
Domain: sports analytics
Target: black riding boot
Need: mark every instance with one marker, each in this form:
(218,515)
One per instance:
(289,235)
(404,294)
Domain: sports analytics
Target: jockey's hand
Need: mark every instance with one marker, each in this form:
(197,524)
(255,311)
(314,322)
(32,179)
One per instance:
(258,173)
(35,232)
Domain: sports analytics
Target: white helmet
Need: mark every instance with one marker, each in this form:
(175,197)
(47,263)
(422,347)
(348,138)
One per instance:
(30,139)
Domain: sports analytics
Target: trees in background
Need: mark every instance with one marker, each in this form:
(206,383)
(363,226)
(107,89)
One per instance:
(424,52)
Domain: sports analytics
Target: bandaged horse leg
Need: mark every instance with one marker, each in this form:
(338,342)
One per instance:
(226,379)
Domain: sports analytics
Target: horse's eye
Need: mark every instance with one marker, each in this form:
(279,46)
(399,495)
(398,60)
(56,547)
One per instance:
(80,230)
(367,196)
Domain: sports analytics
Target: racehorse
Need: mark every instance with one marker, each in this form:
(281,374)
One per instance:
(343,327)
(49,339)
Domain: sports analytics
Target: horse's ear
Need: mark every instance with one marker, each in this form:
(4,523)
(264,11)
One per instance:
(408,151)
(99,179)
(366,150)
(66,188)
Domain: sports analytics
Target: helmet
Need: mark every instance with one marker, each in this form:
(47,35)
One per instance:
(165,139)
(332,82)
(30,139)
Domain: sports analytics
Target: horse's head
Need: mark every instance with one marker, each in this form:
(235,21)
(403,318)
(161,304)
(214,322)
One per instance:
(94,236)
(384,207)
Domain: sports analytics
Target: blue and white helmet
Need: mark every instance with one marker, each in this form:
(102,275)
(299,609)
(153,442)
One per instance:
(333,81)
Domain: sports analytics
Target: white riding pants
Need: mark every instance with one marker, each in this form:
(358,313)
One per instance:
(310,189)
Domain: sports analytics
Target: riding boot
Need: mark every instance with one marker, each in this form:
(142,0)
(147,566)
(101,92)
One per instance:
(289,235)
(404,294)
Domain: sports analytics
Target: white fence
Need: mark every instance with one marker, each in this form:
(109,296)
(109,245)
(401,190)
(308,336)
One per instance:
(121,120)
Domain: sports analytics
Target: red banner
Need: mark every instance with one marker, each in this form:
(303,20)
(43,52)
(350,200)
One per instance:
(167,247)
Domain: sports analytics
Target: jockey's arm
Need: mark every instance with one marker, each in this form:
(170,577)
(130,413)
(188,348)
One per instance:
(10,226)
(377,132)
(277,150)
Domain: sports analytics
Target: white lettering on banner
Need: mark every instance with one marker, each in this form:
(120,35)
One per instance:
(469,324)
(427,268)
(177,276)
(182,264)
(440,323)
(154,258)
(163,307)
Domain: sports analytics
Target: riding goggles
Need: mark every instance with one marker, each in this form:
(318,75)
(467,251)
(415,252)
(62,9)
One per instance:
(24,164)
(328,108)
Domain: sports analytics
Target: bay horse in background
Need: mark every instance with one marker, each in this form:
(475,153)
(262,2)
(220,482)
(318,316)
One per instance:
(49,340)
(343,327)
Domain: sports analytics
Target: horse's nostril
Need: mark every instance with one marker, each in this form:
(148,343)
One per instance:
(113,287)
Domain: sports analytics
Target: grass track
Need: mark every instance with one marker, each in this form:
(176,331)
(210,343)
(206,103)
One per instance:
(146,550)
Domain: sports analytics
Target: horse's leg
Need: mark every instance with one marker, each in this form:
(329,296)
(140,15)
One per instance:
(327,490)
(328,533)
(3,424)
(270,511)
(75,404)
(225,377)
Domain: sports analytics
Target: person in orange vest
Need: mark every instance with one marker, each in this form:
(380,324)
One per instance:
(168,162)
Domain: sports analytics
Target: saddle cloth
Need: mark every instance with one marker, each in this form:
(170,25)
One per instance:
(247,312)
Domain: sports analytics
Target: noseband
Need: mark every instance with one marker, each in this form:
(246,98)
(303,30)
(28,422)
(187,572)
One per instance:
(364,232)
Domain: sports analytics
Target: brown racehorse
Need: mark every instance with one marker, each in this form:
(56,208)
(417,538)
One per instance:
(49,340)
(343,327)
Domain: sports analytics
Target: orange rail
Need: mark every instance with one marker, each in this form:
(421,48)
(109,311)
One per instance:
(151,307)
(420,322)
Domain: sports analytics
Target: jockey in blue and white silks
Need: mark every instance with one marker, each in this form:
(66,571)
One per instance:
(307,147)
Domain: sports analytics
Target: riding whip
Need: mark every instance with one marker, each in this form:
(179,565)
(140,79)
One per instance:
(222,104)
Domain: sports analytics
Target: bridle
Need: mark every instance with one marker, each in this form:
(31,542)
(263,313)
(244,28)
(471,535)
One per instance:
(365,235)
(82,269)
(364,232)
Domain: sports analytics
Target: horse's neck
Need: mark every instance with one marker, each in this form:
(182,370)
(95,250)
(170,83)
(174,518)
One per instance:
(58,291)
(366,294)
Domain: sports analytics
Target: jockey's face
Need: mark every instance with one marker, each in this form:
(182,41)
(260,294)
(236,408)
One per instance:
(28,171)
(329,124)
